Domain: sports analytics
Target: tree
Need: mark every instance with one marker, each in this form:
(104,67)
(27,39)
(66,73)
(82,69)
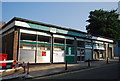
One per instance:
(104,23)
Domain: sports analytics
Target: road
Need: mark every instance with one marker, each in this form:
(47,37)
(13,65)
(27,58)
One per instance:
(111,71)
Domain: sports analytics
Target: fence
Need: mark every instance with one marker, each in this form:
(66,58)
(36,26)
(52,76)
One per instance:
(13,64)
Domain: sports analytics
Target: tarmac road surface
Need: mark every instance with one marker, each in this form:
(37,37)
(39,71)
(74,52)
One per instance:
(111,72)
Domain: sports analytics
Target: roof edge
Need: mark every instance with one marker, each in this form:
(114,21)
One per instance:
(40,23)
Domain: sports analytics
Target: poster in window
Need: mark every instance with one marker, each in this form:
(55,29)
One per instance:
(43,53)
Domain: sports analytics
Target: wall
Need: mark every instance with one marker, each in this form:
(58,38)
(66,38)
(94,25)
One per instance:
(15,45)
(7,45)
(116,50)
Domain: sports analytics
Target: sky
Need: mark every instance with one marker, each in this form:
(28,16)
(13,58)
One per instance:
(65,14)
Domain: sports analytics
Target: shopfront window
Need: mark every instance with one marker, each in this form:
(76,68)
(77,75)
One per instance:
(59,44)
(28,41)
(81,44)
(43,49)
(44,43)
(69,47)
(59,49)
(27,48)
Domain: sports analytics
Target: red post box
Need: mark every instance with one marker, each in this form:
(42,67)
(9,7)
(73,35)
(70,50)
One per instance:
(3,57)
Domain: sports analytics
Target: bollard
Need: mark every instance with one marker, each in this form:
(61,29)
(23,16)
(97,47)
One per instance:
(88,62)
(24,68)
(28,65)
(66,65)
(107,60)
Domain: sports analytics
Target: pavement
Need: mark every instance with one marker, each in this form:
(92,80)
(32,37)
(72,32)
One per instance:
(41,70)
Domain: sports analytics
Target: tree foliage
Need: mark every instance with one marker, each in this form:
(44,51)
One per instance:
(104,23)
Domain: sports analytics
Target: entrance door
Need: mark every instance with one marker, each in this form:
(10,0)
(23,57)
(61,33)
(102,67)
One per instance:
(96,54)
(80,54)
(110,53)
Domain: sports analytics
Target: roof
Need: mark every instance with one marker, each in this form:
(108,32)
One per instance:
(2,23)
(40,23)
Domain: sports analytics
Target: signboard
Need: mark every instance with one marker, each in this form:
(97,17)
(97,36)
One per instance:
(110,45)
(88,45)
(53,30)
(99,46)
